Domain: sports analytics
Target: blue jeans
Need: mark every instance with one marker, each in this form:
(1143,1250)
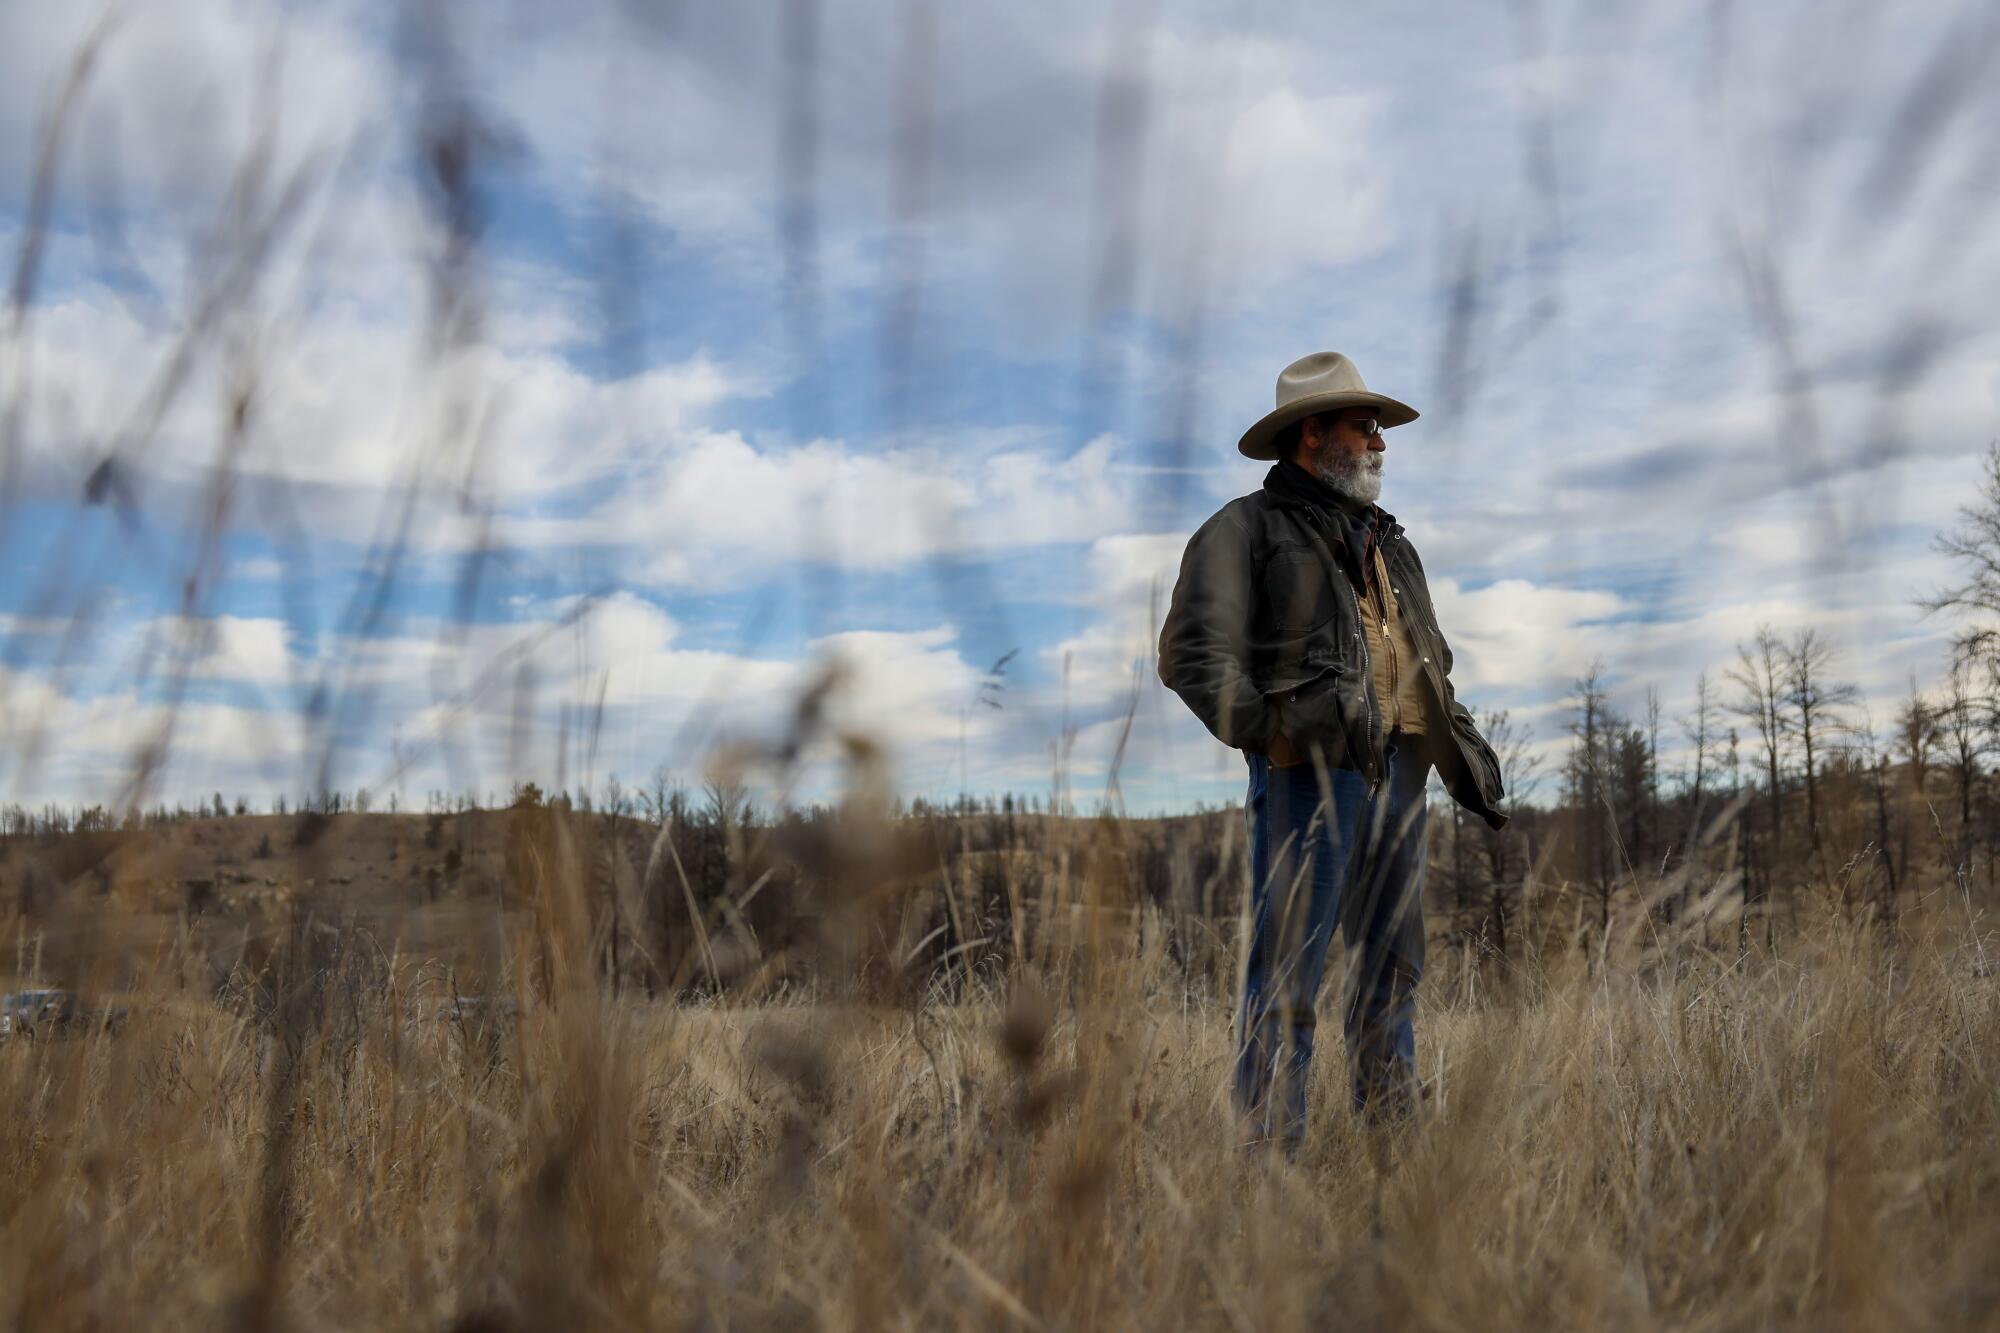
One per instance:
(1356,859)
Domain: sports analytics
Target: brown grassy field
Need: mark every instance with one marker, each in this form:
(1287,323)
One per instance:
(1662,1133)
(857,1070)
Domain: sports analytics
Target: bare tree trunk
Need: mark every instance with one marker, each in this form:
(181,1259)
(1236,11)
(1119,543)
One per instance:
(1819,708)
(1882,830)
(1758,676)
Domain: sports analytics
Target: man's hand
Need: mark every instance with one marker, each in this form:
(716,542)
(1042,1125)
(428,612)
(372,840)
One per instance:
(1281,754)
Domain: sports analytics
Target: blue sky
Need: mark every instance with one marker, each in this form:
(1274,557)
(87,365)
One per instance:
(935,349)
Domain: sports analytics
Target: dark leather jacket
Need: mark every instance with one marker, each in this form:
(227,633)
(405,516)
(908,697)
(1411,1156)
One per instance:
(1265,635)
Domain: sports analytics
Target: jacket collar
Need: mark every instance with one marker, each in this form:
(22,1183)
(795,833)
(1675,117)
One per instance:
(1292,487)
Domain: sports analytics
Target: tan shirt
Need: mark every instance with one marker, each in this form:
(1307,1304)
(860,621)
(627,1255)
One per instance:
(1392,651)
(1397,665)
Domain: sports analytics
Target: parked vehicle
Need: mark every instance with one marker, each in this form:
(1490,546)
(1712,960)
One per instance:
(480,1009)
(47,1013)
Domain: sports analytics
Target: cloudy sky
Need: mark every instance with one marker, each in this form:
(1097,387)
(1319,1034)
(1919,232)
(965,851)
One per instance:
(443,402)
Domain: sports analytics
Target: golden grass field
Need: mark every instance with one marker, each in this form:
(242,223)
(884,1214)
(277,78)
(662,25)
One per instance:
(1664,1134)
(710,374)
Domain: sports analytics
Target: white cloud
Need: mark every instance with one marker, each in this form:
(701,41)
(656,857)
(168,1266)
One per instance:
(178,95)
(720,511)
(492,705)
(87,750)
(1238,139)
(1508,635)
(1129,582)
(231,648)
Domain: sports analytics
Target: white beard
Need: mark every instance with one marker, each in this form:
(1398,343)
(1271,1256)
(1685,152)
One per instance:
(1359,479)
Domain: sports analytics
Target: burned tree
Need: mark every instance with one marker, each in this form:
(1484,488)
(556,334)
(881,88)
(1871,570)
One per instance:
(1760,683)
(1819,708)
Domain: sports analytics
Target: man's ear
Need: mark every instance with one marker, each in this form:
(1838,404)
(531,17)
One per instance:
(1300,450)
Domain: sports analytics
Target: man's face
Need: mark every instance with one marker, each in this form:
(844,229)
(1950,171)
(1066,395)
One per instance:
(1339,451)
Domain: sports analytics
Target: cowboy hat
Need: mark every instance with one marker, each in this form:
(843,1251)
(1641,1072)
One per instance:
(1313,384)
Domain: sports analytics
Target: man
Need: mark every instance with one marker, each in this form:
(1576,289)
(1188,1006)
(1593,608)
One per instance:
(1302,633)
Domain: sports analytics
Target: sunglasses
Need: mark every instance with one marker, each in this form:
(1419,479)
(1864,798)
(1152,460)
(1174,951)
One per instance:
(1367,426)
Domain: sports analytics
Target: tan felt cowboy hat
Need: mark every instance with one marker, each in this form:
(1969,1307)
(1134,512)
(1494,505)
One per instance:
(1313,384)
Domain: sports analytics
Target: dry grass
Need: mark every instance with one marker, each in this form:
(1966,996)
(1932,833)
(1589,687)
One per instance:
(1684,1138)
(1676,1135)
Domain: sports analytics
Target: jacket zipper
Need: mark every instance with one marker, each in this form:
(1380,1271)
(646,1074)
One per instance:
(1375,711)
(1381,708)
(1437,680)
(1367,666)
(1436,676)
(1388,642)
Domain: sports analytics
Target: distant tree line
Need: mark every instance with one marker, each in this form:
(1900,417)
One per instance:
(1787,783)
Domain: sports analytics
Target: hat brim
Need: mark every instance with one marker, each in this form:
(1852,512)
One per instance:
(1260,440)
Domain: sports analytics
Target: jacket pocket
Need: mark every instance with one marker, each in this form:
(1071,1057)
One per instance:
(1281,690)
(1298,593)
(1318,710)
